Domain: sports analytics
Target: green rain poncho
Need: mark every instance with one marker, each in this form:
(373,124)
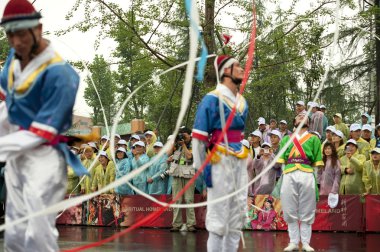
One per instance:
(103,177)
(371,178)
(72,182)
(149,148)
(87,181)
(352,183)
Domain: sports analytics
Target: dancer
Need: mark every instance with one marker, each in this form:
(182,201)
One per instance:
(39,90)
(298,190)
(228,172)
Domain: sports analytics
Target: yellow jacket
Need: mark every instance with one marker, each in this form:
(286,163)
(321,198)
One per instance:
(352,183)
(103,177)
(371,178)
(363,147)
(87,181)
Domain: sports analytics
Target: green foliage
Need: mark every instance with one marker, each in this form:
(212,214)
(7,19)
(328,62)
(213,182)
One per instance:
(104,81)
(4,47)
(290,56)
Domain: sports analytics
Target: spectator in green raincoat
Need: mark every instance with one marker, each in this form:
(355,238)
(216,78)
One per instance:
(104,173)
(151,139)
(371,173)
(88,158)
(72,182)
(352,170)
(340,125)
(338,142)
(363,145)
(375,142)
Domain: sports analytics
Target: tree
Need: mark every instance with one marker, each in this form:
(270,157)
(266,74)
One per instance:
(289,62)
(104,82)
(4,48)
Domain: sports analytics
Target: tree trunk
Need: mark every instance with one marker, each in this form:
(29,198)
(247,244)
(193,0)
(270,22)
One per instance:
(209,38)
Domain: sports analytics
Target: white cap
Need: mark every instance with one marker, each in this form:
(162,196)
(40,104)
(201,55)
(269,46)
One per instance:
(137,137)
(338,133)
(149,132)
(331,128)
(118,136)
(245,143)
(316,133)
(275,132)
(103,153)
(338,115)
(376,150)
(284,122)
(309,104)
(257,133)
(158,144)
(352,141)
(367,127)
(266,144)
(121,149)
(300,103)
(261,120)
(355,127)
(122,141)
(314,105)
(140,143)
(377,126)
(92,144)
(366,115)
(322,106)
(105,137)
(333,200)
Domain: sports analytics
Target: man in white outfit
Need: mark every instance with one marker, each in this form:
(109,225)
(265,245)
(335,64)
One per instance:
(298,190)
(228,169)
(38,88)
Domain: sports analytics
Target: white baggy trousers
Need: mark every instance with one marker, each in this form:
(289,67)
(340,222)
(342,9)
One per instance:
(298,202)
(35,180)
(224,220)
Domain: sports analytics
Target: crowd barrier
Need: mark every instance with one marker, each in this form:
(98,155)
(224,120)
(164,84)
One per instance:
(352,213)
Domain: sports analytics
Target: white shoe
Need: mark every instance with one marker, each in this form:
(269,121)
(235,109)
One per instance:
(292,247)
(306,247)
(183,228)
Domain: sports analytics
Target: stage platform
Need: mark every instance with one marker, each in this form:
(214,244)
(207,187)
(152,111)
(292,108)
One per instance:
(161,240)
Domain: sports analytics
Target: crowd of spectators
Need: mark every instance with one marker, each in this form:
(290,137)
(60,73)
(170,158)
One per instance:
(351,154)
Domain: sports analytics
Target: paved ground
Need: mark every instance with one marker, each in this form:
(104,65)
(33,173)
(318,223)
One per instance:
(162,240)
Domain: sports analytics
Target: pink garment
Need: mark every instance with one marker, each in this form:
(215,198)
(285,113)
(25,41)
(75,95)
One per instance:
(267,182)
(251,174)
(265,220)
(329,178)
(316,122)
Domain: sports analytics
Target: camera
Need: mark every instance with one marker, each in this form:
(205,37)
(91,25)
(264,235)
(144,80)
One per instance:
(164,174)
(179,137)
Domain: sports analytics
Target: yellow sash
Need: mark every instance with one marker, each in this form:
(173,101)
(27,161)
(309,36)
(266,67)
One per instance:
(29,81)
